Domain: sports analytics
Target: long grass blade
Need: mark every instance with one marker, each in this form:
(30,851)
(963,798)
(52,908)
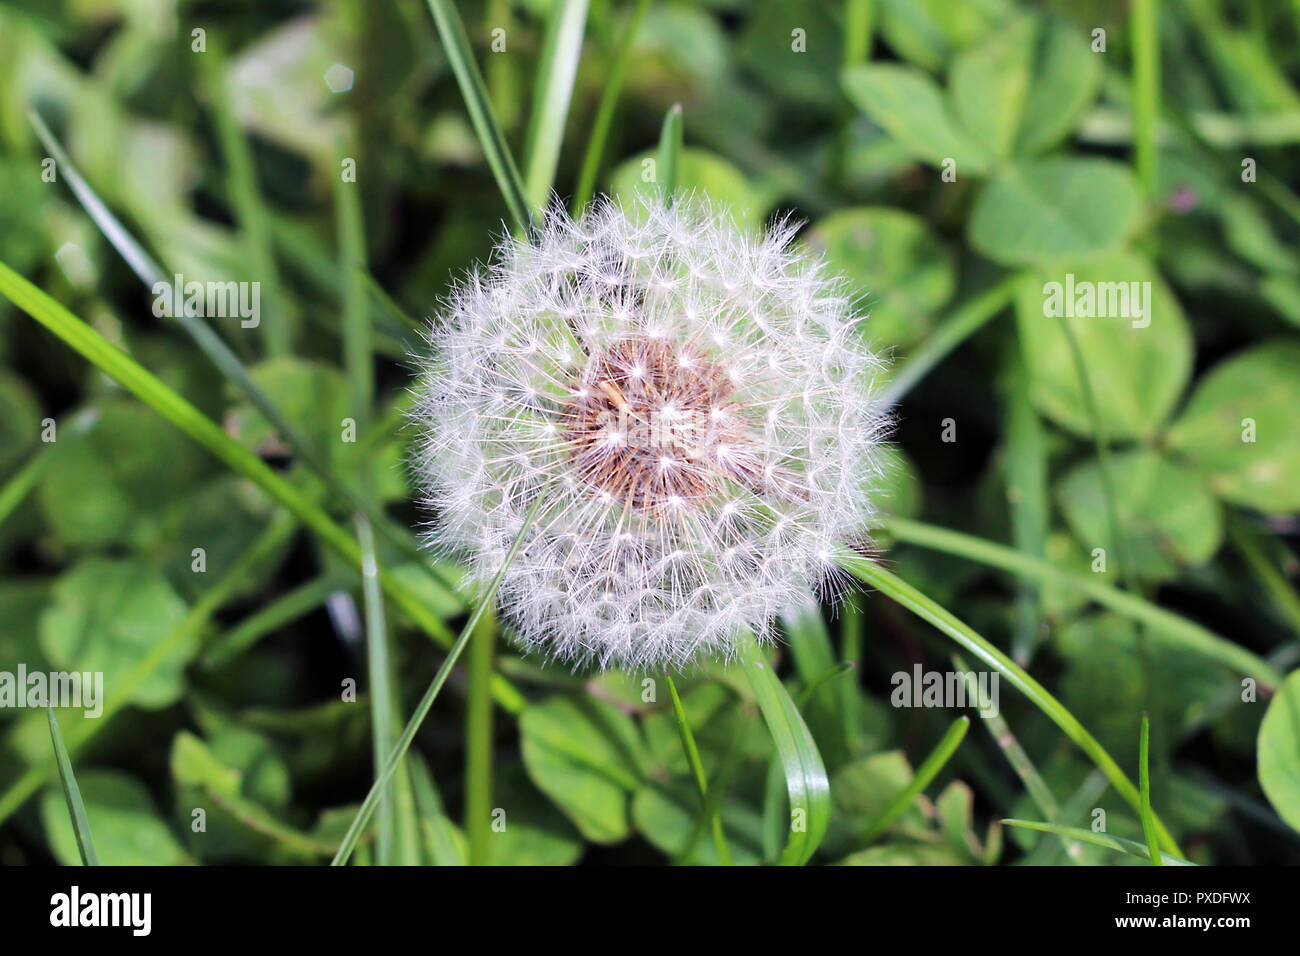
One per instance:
(925,773)
(72,794)
(1162,625)
(613,86)
(805,775)
(923,607)
(1097,839)
(552,94)
(451,29)
(1144,788)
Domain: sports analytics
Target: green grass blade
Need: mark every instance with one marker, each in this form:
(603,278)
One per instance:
(925,773)
(1144,25)
(612,87)
(923,607)
(1017,757)
(455,42)
(478,741)
(670,152)
(964,322)
(805,775)
(245,196)
(269,618)
(697,771)
(442,847)
(1144,788)
(358,351)
(382,704)
(552,93)
(175,409)
(1162,625)
(1098,839)
(431,694)
(72,794)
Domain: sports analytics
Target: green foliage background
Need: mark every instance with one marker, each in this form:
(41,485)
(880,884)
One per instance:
(1071,434)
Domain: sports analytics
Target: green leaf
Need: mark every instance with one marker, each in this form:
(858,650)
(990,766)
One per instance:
(1144,787)
(1279,751)
(72,795)
(863,790)
(1239,429)
(107,616)
(588,757)
(1165,513)
(894,263)
(536,833)
(907,854)
(1039,210)
(668,816)
(128,830)
(990,82)
(1130,847)
(929,32)
(1136,370)
(911,107)
(114,483)
(805,774)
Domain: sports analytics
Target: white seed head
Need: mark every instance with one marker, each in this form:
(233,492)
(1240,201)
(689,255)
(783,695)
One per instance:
(692,404)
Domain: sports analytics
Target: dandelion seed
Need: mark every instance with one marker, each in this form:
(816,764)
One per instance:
(702,460)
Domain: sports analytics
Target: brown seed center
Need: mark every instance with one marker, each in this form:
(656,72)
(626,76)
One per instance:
(655,425)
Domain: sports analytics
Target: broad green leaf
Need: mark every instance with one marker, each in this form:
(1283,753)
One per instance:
(1239,428)
(1040,210)
(128,830)
(114,483)
(588,757)
(669,817)
(1066,78)
(535,833)
(107,616)
(1166,515)
(1137,367)
(908,854)
(896,267)
(862,791)
(911,107)
(20,420)
(1279,751)
(990,82)
(929,32)
(767,49)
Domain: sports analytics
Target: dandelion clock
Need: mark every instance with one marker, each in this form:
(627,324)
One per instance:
(678,416)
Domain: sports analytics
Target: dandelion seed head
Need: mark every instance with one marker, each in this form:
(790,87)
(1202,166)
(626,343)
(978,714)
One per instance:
(687,403)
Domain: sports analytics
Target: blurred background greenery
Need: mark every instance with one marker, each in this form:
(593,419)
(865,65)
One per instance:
(949,158)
